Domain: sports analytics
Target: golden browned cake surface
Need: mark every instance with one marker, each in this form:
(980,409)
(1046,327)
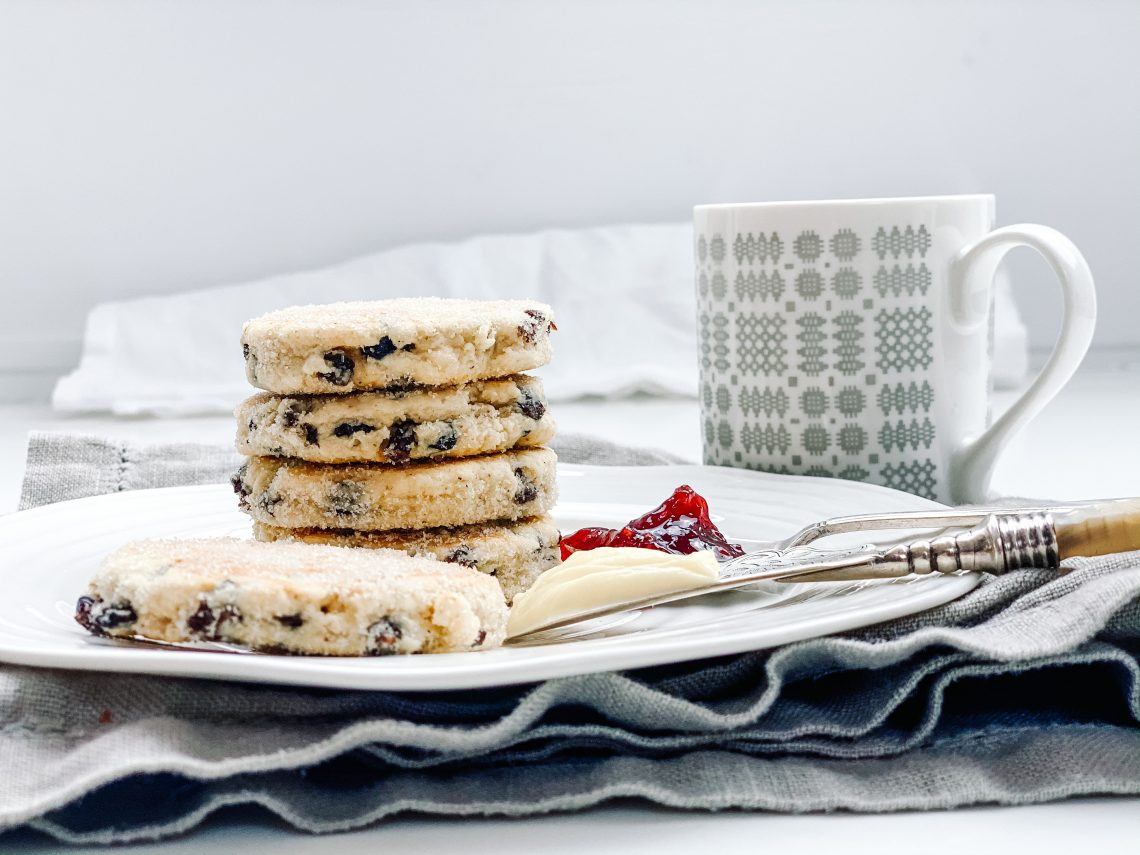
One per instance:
(369,497)
(515,553)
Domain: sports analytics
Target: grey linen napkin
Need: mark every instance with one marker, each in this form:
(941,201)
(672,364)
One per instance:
(1025,690)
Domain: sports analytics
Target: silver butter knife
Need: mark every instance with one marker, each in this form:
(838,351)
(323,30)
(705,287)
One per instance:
(987,540)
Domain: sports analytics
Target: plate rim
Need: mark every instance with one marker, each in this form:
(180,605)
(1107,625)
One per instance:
(454,671)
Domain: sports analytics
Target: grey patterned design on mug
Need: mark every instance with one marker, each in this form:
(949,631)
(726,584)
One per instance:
(821,364)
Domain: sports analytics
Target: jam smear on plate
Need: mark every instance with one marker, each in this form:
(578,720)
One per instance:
(680,525)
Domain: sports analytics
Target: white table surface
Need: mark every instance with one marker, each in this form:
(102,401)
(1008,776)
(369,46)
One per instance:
(1085,445)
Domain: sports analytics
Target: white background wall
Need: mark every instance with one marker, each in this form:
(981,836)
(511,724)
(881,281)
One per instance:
(155,145)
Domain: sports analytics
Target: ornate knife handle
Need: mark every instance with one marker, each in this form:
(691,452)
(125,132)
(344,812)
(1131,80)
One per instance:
(1034,540)
(999,544)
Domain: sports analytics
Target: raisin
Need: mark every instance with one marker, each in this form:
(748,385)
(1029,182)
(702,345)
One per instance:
(342,367)
(201,623)
(312,437)
(382,348)
(530,405)
(245,351)
(480,638)
(83,613)
(409,347)
(345,498)
(383,637)
(206,623)
(401,440)
(237,481)
(528,329)
(292,621)
(527,491)
(346,429)
(116,615)
(252,426)
(446,440)
(293,411)
(462,556)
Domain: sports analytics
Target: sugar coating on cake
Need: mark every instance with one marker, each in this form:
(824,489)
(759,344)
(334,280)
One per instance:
(481,417)
(293,597)
(514,553)
(367,497)
(341,347)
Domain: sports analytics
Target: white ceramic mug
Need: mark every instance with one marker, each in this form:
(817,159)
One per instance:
(853,339)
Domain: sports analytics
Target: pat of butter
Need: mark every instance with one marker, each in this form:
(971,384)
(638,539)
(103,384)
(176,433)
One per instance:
(608,576)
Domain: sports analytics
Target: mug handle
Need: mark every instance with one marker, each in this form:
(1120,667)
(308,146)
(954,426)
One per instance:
(971,279)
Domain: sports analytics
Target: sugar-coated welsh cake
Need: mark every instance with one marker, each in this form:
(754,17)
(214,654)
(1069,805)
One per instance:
(293,598)
(481,417)
(341,347)
(404,424)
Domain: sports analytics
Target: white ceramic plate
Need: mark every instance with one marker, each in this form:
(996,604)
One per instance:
(48,554)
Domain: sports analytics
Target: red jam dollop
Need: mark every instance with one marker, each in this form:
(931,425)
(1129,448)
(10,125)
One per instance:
(680,525)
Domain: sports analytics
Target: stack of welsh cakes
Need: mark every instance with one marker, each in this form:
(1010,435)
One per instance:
(403,424)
